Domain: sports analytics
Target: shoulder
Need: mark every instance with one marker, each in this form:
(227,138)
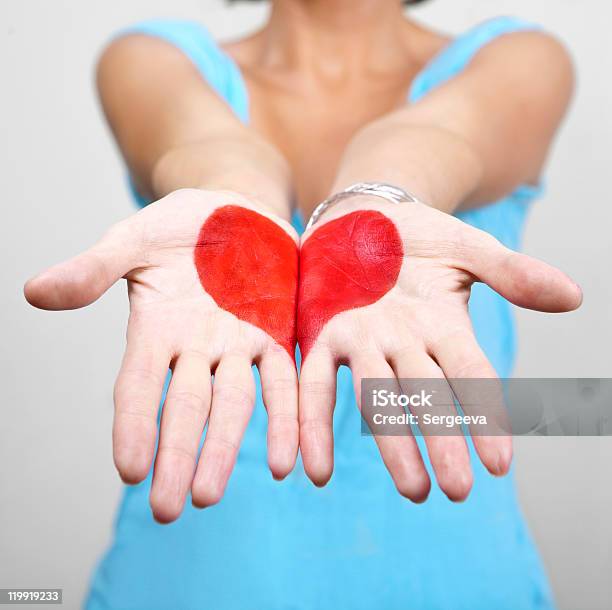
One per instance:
(502,50)
(160,39)
(529,55)
(140,45)
(134,64)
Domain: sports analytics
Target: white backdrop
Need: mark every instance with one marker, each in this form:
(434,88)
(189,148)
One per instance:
(62,184)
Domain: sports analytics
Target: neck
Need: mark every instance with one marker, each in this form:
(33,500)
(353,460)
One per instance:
(333,38)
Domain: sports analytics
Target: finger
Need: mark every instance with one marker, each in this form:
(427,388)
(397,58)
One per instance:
(400,453)
(183,418)
(317,399)
(462,359)
(524,281)
(232,405)
(81,280)
(138,391)
(279,386)
(448,453)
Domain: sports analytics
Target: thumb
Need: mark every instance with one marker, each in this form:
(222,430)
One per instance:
(83,279)
(523,280)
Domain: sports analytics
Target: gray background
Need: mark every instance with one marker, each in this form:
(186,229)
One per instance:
(62,183)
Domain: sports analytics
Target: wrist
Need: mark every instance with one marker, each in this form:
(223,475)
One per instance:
(362,202)
(438,166)
(372,191)
(356,203)
(228,197)
(183,168)
(262,192)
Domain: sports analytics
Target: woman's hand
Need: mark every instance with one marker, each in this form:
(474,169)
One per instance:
(212,286)
(384,288)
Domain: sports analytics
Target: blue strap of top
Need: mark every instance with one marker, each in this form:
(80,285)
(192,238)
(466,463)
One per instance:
(455,56)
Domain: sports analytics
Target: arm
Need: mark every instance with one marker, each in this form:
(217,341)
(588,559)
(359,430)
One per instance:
(477,137)
(201,303)
(197,140)
(384,288)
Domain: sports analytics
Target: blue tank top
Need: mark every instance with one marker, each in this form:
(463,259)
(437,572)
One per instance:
(355,544)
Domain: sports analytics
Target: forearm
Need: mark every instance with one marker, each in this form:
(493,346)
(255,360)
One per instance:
(478,136)
(434,164)
(236,162)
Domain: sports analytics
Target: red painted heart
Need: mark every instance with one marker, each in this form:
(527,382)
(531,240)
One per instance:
(249,266)
(349,262)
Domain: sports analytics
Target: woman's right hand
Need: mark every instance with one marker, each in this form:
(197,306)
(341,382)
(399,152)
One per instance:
(212,284)
(384,288)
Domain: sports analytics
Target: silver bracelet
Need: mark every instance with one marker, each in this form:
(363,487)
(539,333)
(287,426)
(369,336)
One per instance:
(391,193)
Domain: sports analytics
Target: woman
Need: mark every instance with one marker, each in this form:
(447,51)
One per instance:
(230,141)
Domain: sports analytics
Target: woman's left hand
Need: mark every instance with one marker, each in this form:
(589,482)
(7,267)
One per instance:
(384,288)
(212,284)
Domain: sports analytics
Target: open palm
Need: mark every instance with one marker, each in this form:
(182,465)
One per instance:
(188,314)
(385,289)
